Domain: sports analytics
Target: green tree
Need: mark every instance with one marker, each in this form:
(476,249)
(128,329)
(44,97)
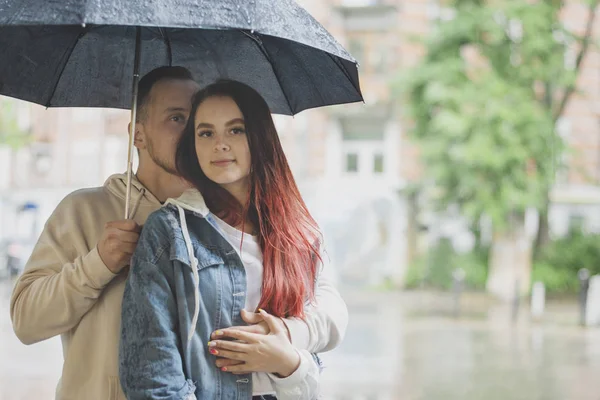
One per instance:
(485,101)
(10,133)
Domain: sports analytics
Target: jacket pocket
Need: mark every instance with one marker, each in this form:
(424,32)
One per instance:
(114,389)
(207,258)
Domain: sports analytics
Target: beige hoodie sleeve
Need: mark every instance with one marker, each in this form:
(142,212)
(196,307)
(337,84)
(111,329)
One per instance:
(63,277)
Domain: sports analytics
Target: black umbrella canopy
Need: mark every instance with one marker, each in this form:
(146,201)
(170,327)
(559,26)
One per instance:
(62,53)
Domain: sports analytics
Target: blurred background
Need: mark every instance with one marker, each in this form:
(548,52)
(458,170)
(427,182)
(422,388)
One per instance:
(460,203)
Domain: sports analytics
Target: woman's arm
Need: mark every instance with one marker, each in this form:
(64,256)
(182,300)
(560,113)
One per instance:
(326,320)
(302,384)
(294,373)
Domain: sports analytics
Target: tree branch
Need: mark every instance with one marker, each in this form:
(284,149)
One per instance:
(585,44)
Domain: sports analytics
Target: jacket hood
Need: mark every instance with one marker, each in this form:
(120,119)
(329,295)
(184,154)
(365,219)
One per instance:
(191,200)
(140,196)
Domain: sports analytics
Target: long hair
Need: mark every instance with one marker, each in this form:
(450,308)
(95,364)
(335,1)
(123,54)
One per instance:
(288,235)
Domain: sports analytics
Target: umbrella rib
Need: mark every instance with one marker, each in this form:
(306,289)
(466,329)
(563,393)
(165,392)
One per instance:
(266,54)
(79,36)
(346,73)
(167,41)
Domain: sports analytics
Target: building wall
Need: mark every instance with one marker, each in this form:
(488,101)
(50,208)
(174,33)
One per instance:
(350,161)
(582,115)
(70,147)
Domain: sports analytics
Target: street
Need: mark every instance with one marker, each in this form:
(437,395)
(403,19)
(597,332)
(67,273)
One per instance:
(401,346)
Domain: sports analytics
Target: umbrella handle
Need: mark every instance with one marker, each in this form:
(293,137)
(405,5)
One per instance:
(136,80)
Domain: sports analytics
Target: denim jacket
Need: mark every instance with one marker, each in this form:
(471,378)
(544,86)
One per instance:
(186,281)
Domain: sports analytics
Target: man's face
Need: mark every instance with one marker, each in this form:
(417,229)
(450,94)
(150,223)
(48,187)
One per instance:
(165,114)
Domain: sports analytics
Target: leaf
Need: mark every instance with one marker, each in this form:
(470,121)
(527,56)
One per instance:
(10,133)
(482,129)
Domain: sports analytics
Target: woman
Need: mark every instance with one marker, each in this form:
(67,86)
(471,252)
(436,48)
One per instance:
(242,239)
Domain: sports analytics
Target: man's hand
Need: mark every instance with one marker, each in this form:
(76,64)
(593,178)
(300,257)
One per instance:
(256,324)
(117,244)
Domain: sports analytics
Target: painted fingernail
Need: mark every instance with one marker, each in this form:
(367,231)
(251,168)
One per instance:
(213,351)
(261,310)
(224,369)
(212,344)
(219,333)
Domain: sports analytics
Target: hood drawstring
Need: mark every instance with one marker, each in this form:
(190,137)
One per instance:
(194,262)
(137,202)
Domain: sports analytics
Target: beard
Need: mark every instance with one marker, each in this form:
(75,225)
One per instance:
(166,165)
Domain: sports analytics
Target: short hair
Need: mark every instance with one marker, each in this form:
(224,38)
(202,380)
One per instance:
(151,78)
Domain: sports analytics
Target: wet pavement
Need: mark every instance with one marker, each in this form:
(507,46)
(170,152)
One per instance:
(402,346)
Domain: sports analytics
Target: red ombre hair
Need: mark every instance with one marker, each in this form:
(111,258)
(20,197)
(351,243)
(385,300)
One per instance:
(288,235)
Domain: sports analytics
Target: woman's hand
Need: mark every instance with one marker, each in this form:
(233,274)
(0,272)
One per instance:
(272,353)
(256,324)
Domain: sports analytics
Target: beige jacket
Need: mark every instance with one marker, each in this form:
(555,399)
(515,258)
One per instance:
(67,290)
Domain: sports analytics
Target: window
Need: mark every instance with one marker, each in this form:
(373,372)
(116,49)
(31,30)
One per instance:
(352,162)
(576,223)
(375,17)
(356,49)
(373,51)
(41,158)
(378,57)
(363,148)
(378,163)
(362,128)
(24,116)
(84,163)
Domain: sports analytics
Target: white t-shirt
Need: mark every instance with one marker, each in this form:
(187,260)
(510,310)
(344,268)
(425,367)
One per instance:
(303,384)
(252,259)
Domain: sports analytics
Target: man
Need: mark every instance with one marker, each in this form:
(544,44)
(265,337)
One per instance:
(73,283)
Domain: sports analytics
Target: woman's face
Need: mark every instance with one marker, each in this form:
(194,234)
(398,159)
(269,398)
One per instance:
(222,145)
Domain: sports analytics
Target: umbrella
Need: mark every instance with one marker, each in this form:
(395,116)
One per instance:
(90,53)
